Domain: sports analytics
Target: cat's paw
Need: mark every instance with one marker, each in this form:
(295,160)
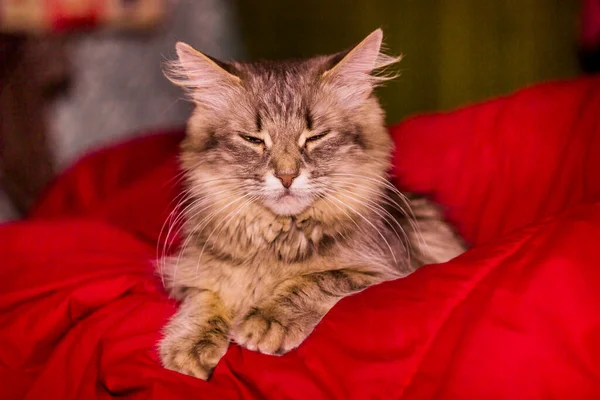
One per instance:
(192,355)
(271,331)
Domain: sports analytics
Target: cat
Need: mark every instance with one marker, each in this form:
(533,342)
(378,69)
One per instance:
(289,205)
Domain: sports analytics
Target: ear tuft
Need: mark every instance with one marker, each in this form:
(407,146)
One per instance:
(205,79)
(362,68)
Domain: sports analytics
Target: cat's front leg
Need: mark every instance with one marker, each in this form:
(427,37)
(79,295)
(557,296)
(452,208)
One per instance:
(197,336)
(282,321)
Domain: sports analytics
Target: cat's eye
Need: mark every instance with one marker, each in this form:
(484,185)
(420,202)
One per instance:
(317,137)
(252,139)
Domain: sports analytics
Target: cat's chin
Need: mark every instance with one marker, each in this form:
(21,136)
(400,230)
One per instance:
(288,205)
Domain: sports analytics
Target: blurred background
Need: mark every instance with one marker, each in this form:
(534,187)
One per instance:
(76,75)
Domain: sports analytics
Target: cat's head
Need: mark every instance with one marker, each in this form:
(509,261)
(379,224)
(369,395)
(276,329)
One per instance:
(285,134)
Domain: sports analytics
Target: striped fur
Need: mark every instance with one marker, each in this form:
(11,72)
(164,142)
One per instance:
(262,264)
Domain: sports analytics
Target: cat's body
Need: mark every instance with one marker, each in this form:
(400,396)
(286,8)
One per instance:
(289,208)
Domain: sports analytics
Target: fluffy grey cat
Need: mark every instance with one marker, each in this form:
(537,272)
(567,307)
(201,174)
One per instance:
(289,204)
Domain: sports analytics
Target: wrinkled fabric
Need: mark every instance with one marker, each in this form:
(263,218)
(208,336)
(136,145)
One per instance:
(517,316)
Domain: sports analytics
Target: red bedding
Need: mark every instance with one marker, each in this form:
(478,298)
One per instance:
(518,316)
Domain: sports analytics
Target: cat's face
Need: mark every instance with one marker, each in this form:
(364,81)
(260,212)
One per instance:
(285,134)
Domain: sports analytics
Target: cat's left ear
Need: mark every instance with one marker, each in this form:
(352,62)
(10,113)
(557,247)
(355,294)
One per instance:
(353,72)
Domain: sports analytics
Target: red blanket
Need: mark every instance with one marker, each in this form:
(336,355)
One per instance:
(516,317)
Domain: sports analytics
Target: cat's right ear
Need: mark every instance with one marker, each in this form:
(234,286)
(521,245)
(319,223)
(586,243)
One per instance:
(209,82)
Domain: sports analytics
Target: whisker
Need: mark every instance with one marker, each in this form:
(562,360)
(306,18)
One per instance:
(408,212)
(195,207)
(167,221)
(221,224)
(194,202)
(324,199)
(177,178)
(205,221)
(199,226)
(385,198)
(186,192)
(346,213)
(376,208)
(239,210)
(372,225)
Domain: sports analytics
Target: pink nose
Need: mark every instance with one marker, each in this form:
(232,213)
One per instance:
(286,179)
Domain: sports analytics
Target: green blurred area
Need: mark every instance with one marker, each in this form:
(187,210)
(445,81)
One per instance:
(456,51)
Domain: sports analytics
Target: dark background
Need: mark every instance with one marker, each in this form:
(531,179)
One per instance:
(64,94)
(456,51)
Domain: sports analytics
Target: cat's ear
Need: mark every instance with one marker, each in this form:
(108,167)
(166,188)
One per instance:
(208,81)
(354,73)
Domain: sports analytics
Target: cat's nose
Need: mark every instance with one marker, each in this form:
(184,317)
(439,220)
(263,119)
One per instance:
(286,179)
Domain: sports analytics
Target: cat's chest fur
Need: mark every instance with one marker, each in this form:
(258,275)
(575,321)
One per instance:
(244,259)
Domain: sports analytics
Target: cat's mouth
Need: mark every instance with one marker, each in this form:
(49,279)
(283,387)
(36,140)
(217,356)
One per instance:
(288,202)
(287,193)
